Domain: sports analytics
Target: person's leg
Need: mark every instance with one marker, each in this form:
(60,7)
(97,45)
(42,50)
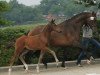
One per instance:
(80,57)
(93,53)
(96,44)
(85,43)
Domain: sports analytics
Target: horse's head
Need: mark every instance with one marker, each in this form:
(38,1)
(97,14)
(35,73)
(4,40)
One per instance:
(91,20)
(53,27)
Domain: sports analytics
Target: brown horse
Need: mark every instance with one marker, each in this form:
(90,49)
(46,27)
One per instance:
(37,42)
(71,29)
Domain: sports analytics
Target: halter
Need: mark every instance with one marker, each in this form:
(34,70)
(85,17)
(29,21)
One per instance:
(91,18)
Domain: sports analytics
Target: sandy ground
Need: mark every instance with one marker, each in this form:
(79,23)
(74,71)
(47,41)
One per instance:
(93,69)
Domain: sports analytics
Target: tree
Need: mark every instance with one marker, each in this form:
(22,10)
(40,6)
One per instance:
(88,2)
(21,14)
(3,8)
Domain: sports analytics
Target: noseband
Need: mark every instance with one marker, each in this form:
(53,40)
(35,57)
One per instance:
(91,18)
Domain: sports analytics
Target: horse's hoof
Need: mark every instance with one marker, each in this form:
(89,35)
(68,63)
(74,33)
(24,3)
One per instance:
(27,70)
(38,71)
(46,67)
(63,65)
(10,70)
(37,68)
(24,67)
(65,68)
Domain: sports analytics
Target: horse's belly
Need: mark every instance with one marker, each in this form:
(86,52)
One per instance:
(32,44)
(61,42)
(59,39)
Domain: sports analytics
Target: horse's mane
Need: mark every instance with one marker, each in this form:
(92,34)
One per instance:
(45,27)
(74,17)
(78,15)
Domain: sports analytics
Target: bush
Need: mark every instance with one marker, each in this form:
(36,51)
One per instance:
(7,39)
(8,35)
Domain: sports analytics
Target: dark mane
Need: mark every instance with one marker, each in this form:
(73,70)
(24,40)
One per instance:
(78,15)
(75,17)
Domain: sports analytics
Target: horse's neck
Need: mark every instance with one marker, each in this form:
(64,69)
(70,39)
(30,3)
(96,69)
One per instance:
(45,34)
(79,23)
(78,26)
(73,25)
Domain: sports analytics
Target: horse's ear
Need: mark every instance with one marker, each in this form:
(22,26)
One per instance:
(53,20)
(93,13)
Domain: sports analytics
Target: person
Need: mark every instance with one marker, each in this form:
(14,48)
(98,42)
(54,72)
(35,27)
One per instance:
(86,40)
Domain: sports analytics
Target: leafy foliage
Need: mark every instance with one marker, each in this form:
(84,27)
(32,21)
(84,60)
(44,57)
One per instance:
(3,8)
(21,14)
(8,36)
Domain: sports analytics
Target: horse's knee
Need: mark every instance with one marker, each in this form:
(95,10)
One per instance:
(53,52)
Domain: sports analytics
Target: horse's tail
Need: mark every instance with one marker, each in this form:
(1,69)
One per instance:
(10,43)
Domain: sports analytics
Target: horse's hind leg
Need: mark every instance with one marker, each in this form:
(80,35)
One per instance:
(12,60)
(53,53)
(22,60)
(17,52)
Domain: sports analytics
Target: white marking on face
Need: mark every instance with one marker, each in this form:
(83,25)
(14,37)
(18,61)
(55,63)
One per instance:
(94,1)
(91,18)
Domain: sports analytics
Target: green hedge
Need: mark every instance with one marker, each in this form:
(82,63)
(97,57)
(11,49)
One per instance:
(8,36)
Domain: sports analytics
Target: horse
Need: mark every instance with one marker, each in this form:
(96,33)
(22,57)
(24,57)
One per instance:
(37,42)
(71,30)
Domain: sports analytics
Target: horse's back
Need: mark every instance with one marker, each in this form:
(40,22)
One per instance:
(34,42)
(36,30)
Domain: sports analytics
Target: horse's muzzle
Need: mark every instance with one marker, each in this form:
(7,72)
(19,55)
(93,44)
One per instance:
(59,31)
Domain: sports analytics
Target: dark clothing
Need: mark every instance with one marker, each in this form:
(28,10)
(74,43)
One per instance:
(85,44)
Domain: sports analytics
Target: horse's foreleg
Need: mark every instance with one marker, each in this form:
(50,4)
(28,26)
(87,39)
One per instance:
(54,55)
(40,58)
(22,60)
(63,58)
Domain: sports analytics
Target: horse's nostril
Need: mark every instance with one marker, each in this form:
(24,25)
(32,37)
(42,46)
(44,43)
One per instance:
(60,31)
